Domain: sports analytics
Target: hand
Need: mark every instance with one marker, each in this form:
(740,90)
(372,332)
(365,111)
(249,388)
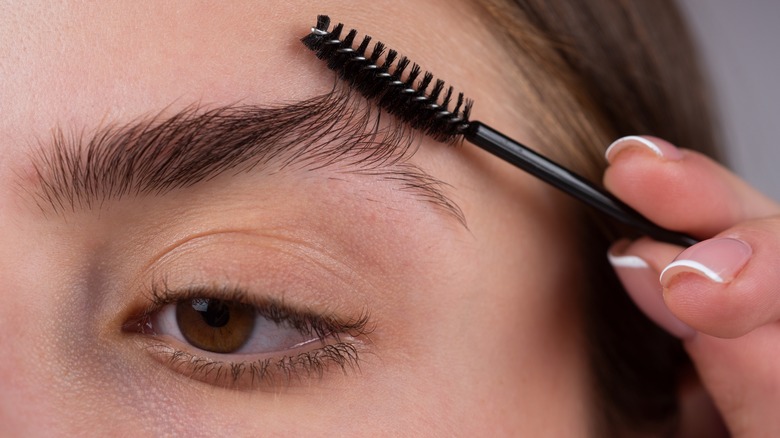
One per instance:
(720,296)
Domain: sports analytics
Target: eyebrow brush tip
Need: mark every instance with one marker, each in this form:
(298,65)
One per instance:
(406,95)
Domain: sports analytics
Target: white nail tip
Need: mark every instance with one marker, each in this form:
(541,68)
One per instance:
(627,261)
(696,266)
(617,144)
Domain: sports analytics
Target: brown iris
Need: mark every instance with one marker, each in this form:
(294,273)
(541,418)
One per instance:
(215,325)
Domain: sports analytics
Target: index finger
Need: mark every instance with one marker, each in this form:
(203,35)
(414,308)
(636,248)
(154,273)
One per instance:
(681,189)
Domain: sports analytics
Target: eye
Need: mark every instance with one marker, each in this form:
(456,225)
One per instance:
(225,337)
(229,327)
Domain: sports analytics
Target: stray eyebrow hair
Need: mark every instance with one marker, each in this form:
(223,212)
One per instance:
(156,155)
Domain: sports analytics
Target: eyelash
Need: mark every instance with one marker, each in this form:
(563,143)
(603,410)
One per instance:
(340,341)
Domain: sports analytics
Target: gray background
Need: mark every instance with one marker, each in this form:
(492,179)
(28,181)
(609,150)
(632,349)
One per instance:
(740,43)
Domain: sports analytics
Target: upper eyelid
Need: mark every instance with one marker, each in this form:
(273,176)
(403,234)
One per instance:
(157,155)
(159,295)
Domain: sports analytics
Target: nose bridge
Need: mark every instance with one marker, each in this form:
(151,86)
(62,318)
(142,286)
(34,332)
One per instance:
(25,380)
(39,394)
(26,337)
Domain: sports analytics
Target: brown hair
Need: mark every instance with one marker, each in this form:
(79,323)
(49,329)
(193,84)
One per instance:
(601,69)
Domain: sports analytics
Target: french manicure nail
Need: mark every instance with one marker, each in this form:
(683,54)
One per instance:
(641,283)
(659,149)
(718,260)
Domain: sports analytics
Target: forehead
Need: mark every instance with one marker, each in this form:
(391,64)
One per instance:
(106,60)
(79,67)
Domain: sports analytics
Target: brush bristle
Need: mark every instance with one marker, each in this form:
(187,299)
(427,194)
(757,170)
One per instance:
(387,82)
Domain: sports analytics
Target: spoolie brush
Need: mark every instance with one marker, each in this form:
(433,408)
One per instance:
(401,88)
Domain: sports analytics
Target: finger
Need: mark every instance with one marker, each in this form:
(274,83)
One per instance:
(681,189)
(742,374)
(638,266)
(729,285)
(742,377)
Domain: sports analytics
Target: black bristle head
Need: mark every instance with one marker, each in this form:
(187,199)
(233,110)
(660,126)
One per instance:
(413,74)
(403,62)
(312,41)
(379,50)
(335,34)
(361,50)
(349,39)
(389,59)
(323,21)
(342,53)
(327,45)
(447,97)
(436,91)
(396,91)
(467,110)
(424,83)
(458,105)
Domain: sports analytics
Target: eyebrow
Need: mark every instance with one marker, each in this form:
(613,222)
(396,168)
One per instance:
(156,155)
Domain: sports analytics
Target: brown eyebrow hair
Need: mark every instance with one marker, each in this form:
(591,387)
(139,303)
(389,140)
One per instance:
(156,155)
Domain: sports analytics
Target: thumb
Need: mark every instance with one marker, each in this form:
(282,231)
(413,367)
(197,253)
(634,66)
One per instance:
(727,286)
(727,289)
(743,377)
(720,288)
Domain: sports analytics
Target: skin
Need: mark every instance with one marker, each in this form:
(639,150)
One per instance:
(733,326)
(473,329)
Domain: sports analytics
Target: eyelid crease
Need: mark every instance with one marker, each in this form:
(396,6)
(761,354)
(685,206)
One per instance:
(153,156)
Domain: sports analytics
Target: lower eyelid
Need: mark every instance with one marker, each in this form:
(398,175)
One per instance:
(238,356)
(260,372)
(158,340)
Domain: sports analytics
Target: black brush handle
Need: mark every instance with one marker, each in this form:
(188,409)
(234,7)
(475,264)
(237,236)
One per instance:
(558,176)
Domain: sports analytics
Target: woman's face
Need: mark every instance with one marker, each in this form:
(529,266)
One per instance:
(380,311)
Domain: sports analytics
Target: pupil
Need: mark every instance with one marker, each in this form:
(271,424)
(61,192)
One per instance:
(220,326)
(215,314)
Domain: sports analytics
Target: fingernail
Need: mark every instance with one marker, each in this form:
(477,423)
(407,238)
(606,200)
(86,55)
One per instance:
(641,283)
(718,260)
(660,149)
